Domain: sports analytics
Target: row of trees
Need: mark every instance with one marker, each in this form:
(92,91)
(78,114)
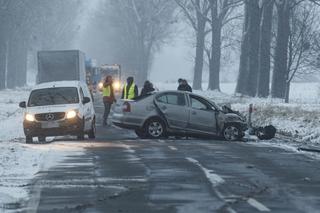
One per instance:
(279,39)
(31,25)
(287,47)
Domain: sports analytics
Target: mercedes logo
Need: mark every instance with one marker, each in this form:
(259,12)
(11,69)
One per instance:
(49,117)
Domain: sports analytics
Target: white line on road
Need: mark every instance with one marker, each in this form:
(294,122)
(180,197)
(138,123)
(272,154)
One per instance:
(212,177)
(173,148)
(256,204)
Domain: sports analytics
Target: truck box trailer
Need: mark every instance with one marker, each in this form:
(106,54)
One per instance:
(61,65)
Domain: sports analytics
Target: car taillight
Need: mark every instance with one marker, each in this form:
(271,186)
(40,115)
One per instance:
(126,107)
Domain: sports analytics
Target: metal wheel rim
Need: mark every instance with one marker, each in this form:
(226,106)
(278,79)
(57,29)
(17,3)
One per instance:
(155,129)
(231,133)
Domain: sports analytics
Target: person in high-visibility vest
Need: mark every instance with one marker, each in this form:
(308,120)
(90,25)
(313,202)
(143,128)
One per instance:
(108,98)
(130,90)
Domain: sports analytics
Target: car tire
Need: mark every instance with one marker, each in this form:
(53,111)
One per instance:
(42,139)
(232,132)
(92,132)
(29,139)
(155,128)
(141,133)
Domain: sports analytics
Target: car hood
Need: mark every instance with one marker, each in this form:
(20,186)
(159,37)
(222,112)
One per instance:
(52,108)
(232,117)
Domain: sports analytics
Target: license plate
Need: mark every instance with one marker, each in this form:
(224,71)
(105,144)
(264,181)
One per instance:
(48,125)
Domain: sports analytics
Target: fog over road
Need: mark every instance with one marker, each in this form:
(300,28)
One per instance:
(121,173)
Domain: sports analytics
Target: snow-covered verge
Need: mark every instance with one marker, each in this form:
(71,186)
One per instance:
(20,162)
(299,119)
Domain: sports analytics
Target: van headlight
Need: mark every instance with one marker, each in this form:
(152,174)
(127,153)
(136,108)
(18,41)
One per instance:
(29,117)
(71,114)
(100,85)
(116,85)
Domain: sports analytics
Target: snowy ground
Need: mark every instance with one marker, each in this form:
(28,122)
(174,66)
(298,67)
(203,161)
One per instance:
(19,162)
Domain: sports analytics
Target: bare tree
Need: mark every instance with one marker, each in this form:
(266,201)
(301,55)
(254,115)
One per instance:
(140,28)
(248,72)
(265,48)
(303,32)
(196,12)
(221,14)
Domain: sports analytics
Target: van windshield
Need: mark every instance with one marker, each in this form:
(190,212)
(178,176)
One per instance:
(53,96)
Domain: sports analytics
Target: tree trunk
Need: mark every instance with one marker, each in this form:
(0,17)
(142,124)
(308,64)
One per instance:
(244,55)
(2,64)
(264,49)
(281,50)
(287,92)
(254,35)
(214,66)
(197,78)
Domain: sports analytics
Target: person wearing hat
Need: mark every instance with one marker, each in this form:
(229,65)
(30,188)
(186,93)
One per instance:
(130,89)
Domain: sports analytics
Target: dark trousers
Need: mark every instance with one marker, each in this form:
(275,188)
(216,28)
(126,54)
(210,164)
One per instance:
(107,108)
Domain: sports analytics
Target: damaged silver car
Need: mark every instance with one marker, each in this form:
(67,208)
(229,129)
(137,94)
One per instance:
(178,113)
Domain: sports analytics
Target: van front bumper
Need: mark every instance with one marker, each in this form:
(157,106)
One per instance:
(59,128)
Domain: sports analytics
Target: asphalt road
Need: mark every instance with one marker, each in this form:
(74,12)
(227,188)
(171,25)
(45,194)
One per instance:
(120,173)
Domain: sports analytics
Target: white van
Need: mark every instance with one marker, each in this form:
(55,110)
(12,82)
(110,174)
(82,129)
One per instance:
(59,108)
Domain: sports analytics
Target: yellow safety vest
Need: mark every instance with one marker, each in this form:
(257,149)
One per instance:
(106,91)
(131,94)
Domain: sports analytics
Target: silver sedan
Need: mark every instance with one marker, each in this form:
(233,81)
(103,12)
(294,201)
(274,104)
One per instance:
(177,113)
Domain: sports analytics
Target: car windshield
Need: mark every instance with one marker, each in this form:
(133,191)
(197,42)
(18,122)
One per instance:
(53,96)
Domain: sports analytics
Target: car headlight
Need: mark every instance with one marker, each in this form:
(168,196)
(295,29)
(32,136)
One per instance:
(116,85)
(100,85)
(71,114)
(30,117)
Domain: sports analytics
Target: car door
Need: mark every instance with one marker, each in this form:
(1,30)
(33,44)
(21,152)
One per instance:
(202,115)
(173,106)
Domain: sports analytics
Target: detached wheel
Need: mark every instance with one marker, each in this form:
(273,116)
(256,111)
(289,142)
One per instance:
(92,133)
(155,128)
(140,133)
(29,139)
(232,132)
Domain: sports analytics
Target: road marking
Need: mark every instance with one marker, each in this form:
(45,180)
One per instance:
(256,204)
(173,148)
(211,176)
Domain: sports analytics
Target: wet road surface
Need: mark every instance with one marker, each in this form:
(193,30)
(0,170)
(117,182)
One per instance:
(120,173)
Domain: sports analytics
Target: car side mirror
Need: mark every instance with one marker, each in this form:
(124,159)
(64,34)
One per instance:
(86,100)
(23,104)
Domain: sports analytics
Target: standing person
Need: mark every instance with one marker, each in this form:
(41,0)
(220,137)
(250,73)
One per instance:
(147,88)
(108,97)
(130,89)
(187,86)
(184,86)
(179,84)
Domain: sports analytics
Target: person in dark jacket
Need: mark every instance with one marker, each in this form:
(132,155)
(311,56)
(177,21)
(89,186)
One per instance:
(184,86)
(147,88)
(130,89)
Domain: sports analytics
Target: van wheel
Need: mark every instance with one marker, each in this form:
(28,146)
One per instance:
(92,132)
(140,133)
(232,132)
(42,139)
(155,128)
(29,139)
